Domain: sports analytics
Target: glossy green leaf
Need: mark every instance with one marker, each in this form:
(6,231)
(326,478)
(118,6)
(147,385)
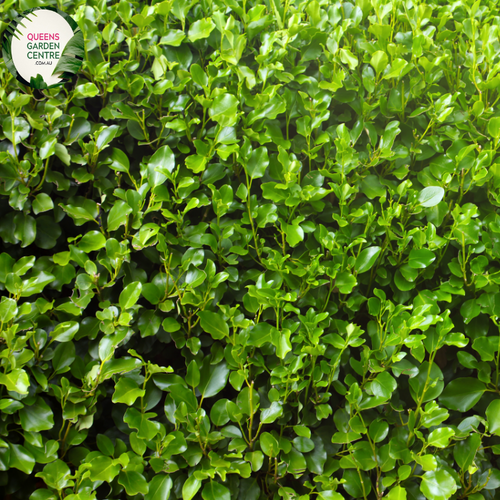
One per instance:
(428,384)
(430,196)
(200,29)
(159,488)
(127,391)
(92,241)
(441,437)
(213,324)
(294,234)
(130,295)
(269,415)
(462,394)
(366,259)
(215,491)
(118,215)
(390,133)
(465,451)
(269,444)
(397,493)
(8,309)
(438,485)
(213,378)
(494,127)
(257,163)
(420,259)
(353,485)
(56,475)
(17,380)
(44,494)
(493,416)
(103,469)
(378,430)
(190,487)
(181,394)
(42,203)
(21,458)
(193,374)
(37,417)
(105,445)
(379,61)
(172,37)
(383,385)
(160,166)
(64,332)
(25,229)
(196,163)
(106,135)
(330,495)
(133,482)
(146,429)
(120,161)
(428,462)
(218,413)
(224,110)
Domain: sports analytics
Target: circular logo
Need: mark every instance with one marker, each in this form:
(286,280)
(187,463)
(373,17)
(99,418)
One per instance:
(43,47)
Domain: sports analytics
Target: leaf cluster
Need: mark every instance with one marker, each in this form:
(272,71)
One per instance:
(251,252)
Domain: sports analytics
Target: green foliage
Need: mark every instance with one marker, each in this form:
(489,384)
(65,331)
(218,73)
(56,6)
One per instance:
(251,252)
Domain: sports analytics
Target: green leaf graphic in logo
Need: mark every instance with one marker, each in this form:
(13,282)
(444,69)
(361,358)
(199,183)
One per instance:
(71,58)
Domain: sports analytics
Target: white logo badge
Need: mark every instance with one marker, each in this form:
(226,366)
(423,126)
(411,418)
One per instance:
(43,47)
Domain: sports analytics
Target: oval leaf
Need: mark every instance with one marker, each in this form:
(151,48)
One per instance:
(366,259)
(430,196)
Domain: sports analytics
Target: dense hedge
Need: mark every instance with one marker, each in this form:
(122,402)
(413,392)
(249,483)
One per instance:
(251,252)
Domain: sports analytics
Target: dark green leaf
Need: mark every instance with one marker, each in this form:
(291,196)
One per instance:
(462,394)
